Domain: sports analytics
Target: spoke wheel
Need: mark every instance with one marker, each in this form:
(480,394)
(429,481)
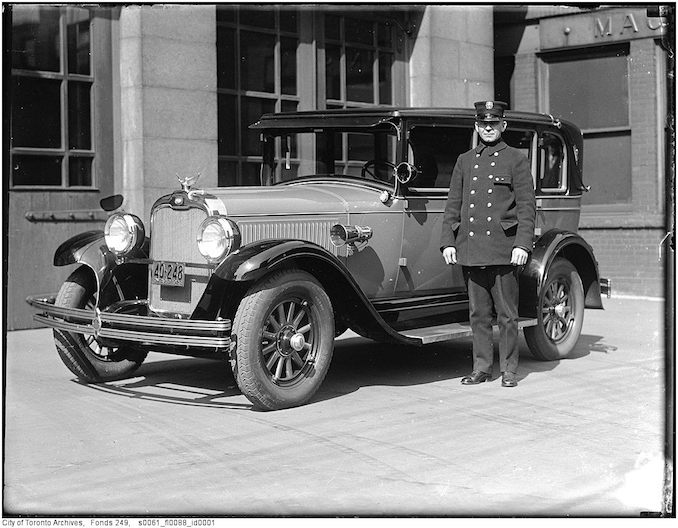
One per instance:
(283,333)
(287,341)
(83,355)
(561,314)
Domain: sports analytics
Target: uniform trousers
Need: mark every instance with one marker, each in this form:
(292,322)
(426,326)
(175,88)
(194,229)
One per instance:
(493,287)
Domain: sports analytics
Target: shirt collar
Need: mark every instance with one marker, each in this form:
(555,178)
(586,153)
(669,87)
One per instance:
(491,149)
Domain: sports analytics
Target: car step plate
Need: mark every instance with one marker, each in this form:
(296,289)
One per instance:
(435,334)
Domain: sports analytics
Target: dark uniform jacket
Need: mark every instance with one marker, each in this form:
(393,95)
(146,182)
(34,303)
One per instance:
(490,207)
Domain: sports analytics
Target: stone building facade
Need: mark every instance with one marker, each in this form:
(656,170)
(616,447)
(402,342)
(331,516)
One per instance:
(125,98)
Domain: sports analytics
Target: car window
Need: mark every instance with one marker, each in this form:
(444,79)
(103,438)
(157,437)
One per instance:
(329,152)
(552,164)
(523,140)
(434,152)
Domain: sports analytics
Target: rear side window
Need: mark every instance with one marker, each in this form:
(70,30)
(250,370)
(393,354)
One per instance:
(552,164)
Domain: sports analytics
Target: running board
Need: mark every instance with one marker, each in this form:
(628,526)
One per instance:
(435,334)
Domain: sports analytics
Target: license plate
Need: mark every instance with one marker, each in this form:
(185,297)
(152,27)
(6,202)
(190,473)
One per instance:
(168,273)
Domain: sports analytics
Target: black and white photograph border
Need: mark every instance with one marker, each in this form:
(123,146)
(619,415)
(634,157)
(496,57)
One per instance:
(391,432)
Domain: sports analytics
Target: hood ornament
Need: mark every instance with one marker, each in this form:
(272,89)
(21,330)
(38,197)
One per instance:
(188,181)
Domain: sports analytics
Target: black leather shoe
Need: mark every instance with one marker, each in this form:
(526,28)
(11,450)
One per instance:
(476,377)
(508,379)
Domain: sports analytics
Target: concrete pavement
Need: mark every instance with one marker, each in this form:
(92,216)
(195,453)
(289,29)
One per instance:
(391,432)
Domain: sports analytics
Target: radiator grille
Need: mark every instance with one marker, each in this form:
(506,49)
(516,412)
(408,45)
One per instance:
(173,239)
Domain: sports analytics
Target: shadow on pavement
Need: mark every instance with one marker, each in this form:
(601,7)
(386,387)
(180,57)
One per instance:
(357,363)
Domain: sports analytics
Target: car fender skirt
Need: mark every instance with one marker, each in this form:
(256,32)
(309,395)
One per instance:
(559,243)
(257,260)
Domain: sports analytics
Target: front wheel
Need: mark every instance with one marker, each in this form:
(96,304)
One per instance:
(560,314)
(83,355)
(283,333)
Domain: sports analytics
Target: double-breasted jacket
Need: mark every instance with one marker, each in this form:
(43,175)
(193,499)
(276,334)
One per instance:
(490,207)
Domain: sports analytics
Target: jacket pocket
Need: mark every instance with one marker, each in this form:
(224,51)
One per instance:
(508,223)
(503,179)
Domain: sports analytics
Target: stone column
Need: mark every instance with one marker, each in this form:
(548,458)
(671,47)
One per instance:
(168,100)
(452,59)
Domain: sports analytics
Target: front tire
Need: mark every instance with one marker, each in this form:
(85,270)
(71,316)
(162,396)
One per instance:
(560,315)
(283,332)
(83,355)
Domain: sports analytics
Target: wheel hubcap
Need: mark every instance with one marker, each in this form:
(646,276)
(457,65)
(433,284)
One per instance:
(557,313)
(287,341)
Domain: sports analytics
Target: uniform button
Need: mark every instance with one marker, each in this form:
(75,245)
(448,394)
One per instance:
(473,191)
(489,191)
(489,218)
(489,204)
(470,219)
(477,155)
(496,153)
(488,233)
(475,166)
(475,178)
(491,176)
(472,206)
(470,233)
(493,164)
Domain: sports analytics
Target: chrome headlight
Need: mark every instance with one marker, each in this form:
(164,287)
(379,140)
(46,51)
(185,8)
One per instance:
(217,238)
(123,233)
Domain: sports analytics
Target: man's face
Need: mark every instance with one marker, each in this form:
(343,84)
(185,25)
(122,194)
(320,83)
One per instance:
(490,131)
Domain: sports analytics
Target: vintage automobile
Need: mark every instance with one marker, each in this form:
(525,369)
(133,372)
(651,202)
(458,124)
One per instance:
(343,232)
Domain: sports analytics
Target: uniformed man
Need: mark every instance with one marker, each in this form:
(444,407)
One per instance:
(488,228)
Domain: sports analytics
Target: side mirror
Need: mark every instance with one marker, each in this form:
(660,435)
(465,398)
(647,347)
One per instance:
(111,203)
(405,172)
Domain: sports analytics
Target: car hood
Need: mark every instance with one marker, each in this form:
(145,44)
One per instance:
(298,199)
(302,211)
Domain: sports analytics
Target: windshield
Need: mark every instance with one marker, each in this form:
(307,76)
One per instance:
(363,153)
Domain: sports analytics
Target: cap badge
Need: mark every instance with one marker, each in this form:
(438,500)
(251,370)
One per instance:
(489,105)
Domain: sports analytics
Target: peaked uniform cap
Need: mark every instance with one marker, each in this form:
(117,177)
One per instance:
(490,110)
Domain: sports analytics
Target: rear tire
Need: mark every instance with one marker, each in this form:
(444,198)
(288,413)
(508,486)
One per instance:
(283,332)
(83,355)
(560,314)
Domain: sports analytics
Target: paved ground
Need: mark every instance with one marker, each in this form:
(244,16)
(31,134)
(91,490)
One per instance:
(391,432)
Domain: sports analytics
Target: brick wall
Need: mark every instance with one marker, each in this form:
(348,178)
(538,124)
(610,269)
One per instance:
(630,258)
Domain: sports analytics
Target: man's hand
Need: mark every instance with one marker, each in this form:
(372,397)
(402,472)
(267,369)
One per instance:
(450,255)
(519,256)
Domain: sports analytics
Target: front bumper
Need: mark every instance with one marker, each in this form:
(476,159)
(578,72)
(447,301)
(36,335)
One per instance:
(137,328)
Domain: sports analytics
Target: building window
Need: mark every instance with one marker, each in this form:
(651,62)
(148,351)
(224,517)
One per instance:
(257,63)
(51,141)
(359,59)
(590,88)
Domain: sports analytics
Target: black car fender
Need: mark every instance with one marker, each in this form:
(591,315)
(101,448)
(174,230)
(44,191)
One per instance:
(251,263)
(559,243)
(90,249)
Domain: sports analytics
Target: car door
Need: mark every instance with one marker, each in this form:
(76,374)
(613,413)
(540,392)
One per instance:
(434,151)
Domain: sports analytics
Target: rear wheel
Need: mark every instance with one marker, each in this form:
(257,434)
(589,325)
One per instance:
(561,313)
(83,355)
(283,332)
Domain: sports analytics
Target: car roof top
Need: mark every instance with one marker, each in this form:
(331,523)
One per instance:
(373,116)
